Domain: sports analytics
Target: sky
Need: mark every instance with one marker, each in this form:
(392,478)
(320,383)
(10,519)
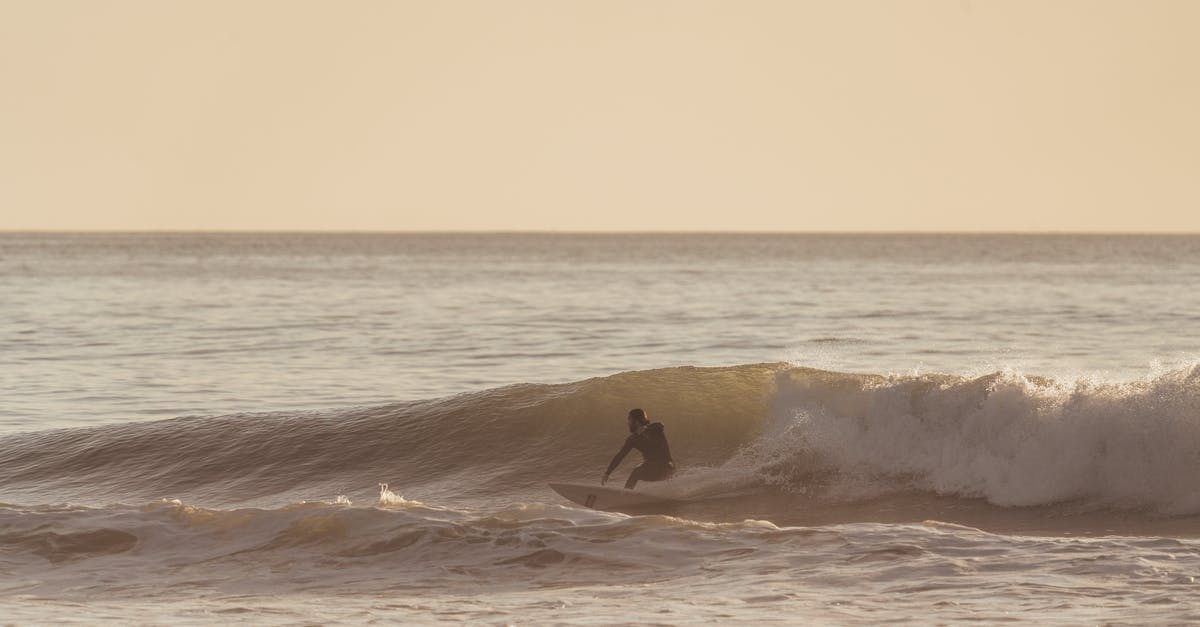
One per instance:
(610,115)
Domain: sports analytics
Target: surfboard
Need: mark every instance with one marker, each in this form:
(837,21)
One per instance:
(600,497)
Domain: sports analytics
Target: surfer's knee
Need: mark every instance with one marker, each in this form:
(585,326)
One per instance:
(633,478)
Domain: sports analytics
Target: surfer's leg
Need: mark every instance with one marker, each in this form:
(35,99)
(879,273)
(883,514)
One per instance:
(650,472)
(634,477)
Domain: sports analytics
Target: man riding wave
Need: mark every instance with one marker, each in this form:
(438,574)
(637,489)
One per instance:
(650,440)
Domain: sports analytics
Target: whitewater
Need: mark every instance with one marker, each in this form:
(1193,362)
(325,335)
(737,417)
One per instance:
(289,428)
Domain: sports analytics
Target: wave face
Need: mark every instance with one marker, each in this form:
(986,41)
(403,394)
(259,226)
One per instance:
(762,433)
(491,444)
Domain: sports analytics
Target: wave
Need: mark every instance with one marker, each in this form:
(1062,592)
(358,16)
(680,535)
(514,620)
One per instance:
(470,446)
(402,561)
(330,546)
(773,431)
(1011,439)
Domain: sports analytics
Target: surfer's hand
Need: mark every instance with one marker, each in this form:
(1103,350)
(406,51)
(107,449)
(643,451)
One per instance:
(604,479)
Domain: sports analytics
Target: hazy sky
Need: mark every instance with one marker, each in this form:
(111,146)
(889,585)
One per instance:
(613,115)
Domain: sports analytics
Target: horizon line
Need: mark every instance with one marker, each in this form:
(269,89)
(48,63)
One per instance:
(218,231)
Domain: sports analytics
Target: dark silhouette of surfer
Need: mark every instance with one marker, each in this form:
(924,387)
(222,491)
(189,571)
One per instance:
(648,438)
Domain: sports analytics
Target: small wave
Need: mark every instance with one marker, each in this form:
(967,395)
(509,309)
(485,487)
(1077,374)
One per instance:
(306,546)
(835,340)
(61,546)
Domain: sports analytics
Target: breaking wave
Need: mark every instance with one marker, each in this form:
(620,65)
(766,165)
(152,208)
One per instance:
(763,429)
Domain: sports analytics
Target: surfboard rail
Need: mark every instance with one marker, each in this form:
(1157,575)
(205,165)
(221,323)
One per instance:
(605,498)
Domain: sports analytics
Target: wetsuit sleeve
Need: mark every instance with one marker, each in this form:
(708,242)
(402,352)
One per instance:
(616,461)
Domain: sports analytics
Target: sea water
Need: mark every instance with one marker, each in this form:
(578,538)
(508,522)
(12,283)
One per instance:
(869,428)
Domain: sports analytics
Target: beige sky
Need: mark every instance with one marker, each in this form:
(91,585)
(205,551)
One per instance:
(611,115)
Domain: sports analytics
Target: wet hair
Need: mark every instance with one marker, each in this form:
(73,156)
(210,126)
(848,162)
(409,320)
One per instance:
(637,417)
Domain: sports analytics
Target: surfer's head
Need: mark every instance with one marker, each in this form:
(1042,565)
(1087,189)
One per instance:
(637,419)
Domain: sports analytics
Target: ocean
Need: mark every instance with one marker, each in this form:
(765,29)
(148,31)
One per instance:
(294,428)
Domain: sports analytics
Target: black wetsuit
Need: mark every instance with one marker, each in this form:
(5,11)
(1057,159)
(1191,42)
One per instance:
(656,455)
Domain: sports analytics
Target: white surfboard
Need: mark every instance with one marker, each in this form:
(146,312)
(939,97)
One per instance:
(600,497)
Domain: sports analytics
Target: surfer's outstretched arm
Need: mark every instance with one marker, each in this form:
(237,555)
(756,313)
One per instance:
(616,461)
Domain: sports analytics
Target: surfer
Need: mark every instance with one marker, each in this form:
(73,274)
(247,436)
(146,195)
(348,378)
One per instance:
(648,438)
